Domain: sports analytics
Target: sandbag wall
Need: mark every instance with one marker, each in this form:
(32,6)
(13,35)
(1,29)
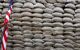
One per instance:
(44,25)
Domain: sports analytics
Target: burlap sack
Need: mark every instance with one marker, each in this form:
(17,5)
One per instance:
(38,40)
(48,44)
(51,1)
(28,35)
(27,40)
(26,9)
(49,5)
(58,40)
(58,24)
(38,36)
(37,19)
(47,24)
(41,1)
(58,45)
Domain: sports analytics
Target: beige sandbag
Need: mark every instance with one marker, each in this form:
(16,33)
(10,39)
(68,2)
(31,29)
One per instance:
(48,40)
(37,32)
(67,19)
(70,5)
(68,10)
(77,10)
(46,32)
(26,23)
(48,36)
(17,45)
(28,35)
(57,19)
(39,5)
(16,10)
(61,1)
(58,24)
(36,24)
(47,24)
(78,6)
(18,5)
(26,18)
(68,45)
(77,29)
(51,1)
(47,15)
(48,10)
(57,14)
(4,10)
(59,4)
(37,10)
(77,15)
(69,41)
(58,45)
(48,44)
(59,41)
(18,37)
(36,28)
(38,40)
(16,32)
(68,15)
(77,25)
(60,48)
(68,24)
(41,1)
(26,14)
(49,5)
(76,20)
(58,9)
(26,9)
(59,37)
(47,29)
(16,22)
(37,15)
(16,15)
(26,27)
(69,37)
(17,41)
(28,44)
(47,20)
(27,32)
(58,28)
(32,1)
(28,48)
(69,29)
(27,40)
(17,28)
(28,5)
(37,19)
(39,36)
(37,44)
(69,48)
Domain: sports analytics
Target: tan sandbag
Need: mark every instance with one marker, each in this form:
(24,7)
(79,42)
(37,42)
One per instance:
(47,24)
(28,5)
(48,44)
(68,15)
(28,44)
(59,37)
(32,1)
(48,36)
(47,15)
(37,15)
(16,22)
(47,29)
(51,1)
(59,4)
(49,5)
(16,10)
(38,40)
(48,10)
(17,41)
(61,1)
(68,45)
(58,28)
(37,32)
(16,32)
(58,45)
(47,32)
(18,5)
(68,10)
(41,1)
(17,45)
(26,23)
(27,40)
(18,37)
(39,5)
(76,20)
(26,9)
(26,27)
(37,19)
(56,19)
(26,14)
(36,24)
(57,14)
(69,41)
(59,41)
(37,10)
(77,15)
(28,35)
(70,5)
(26,18)
(58,9)
(38,36)
(68,24)
(67,19)
(47,20)
(78,6)
(77,10)
(16,15)
(38,44)
(58,24)
(36,28)
(48,40)
(27,32)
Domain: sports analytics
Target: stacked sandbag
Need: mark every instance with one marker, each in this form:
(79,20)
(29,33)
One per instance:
(27,23)
(37,25)
(17,29)
(58,27)
(68,17)
(76,21)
